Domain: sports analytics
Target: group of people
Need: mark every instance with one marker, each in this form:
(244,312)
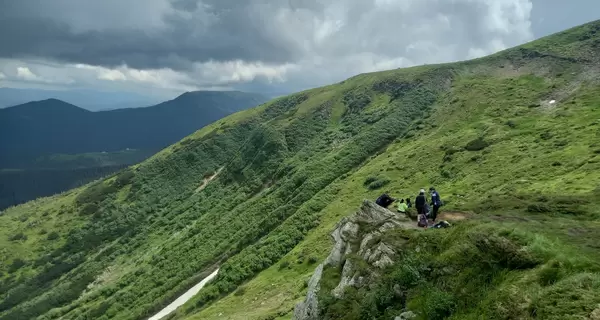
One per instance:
(425,210)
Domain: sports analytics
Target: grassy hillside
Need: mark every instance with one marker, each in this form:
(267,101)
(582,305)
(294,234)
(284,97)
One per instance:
(483,132)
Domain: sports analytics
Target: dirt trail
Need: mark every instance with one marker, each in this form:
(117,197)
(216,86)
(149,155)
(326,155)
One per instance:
(451,216)
(208,179)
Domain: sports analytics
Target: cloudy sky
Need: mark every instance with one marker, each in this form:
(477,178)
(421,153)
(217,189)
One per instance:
(272,46)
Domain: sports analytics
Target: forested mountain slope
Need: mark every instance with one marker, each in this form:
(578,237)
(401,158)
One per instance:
(484,132)
(51,146)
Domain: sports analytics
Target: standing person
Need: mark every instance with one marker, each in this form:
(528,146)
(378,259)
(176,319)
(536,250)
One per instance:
(402,207)
(385,200)
(436,202)
(420,202)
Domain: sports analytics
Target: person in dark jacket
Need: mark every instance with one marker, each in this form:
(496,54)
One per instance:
(385,200)
(420,202)
(408,203)
(436,202)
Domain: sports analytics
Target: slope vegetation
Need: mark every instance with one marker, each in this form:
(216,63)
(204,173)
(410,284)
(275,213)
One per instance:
(54,146)
(484,132)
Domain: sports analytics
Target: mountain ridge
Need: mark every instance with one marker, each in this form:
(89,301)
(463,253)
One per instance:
(483,132)
(92,100)
(36,121)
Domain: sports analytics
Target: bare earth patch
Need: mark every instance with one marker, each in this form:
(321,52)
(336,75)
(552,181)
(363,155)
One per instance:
(208,179)
(453,216)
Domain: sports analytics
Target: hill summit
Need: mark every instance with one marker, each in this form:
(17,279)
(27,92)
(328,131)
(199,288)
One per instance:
(511,140)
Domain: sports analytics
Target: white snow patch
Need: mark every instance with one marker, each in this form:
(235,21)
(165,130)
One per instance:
(184,297)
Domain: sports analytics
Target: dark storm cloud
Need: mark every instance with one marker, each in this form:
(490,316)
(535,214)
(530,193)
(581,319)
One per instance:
(216,32)
(264,45)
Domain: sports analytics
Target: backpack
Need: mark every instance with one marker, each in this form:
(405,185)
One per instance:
(422,221)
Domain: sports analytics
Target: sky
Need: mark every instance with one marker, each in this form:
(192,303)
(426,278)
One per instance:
(164,47)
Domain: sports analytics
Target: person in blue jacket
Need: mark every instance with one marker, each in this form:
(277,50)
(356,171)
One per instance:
(436,202)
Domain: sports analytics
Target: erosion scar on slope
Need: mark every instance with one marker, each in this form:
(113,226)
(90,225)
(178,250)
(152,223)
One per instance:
(208,179)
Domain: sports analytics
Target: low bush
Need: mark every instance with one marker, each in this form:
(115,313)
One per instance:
(53,236)
(284,265)
(477,144)
(378,184)
(16,265)
(240,291)
(369,180)
(89,208)
(124,178)
(20,236)
(438,304)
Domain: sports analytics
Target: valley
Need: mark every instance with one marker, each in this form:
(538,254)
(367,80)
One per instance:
(50,146)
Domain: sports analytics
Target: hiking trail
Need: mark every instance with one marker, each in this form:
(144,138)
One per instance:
(207,180)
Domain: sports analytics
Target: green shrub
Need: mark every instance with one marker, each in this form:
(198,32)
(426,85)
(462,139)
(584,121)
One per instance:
(124,178)
(53,236)
(369,180)
(240,291)
(511,124)
(20,236)
(446,174)
(503,252)
(16,265)
(88,209)
(378,184)
(477,144)
(284,265)
(438,304)
(546,135)
(538,208)
(95,193)
(551,273)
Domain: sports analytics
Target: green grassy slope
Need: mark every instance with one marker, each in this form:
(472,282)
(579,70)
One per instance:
(504,183)
(481,131)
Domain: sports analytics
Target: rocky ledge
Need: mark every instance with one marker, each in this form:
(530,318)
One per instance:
(359,236)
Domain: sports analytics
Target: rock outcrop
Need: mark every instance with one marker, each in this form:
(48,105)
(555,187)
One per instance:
(357,236)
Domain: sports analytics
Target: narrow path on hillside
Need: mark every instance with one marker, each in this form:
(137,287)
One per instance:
(208,179)
(452,216)
(183,298)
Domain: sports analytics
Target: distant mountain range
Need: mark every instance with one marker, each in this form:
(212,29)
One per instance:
(92,100)
(48,139)
(52,126)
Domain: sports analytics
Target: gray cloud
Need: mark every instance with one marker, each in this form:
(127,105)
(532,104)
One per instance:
(260,44)
(47,29)
(550,16)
